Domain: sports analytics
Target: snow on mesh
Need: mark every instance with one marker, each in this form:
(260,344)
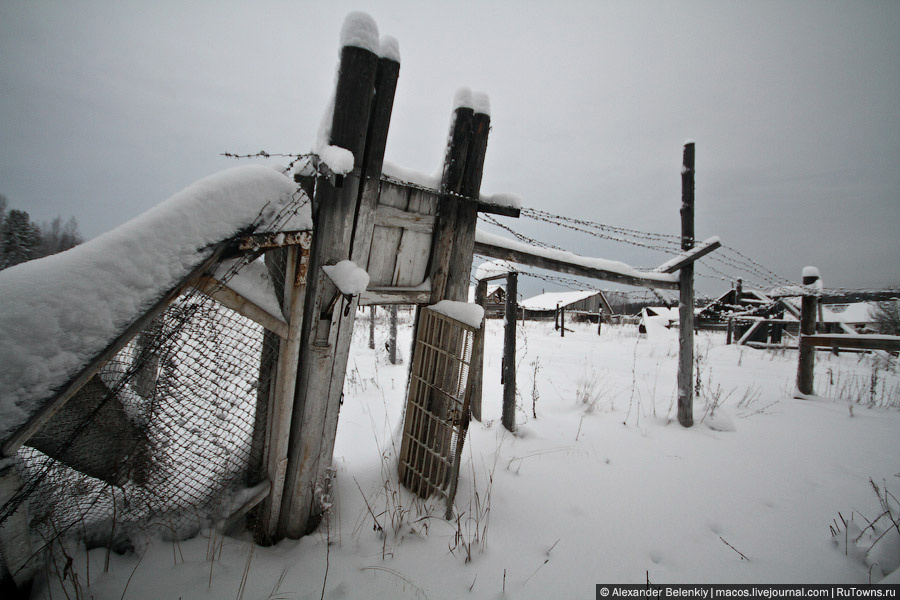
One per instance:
(59,312)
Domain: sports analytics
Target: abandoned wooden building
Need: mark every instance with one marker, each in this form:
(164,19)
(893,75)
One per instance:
(587,305)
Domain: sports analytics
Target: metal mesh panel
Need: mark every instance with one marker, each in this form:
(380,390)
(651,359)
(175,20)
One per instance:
(174,416)
(437,406)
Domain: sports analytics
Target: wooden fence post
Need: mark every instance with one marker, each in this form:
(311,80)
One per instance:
(372,328)
(686,294)
(17,568)
(509,353)
(477,363)
(807,354)
(392,340)
(344,219)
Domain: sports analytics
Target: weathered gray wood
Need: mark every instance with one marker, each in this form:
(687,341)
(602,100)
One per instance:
(448,206)
(508,417)
(388,216)
(686,294)
(562,321)
(224,295)
(806,361)
(281,398)
(15,441)
(345,221)
(413,254)
(17,568)
(534,259)
(373,296)
(477,371)
(372,327)
(386,240)
(846,340)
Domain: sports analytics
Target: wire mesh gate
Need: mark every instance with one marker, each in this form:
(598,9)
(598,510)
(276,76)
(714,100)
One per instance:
(437,406)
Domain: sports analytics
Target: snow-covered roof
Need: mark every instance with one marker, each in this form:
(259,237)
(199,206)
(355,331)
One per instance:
(550,300)
(850,313)
(58,313)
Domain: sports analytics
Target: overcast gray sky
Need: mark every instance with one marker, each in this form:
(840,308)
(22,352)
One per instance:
(107,108)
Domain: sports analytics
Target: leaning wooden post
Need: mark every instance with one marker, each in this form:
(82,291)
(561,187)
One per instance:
(686,295)
(344,219)
(477,362)
(808,309)
(509,354)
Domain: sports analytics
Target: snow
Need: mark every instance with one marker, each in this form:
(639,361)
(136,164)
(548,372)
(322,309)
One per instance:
(551,300)
(477,101)
(602,486)
(360,30)
(389,48)
(707,242)
(348,277)
(59,312)
(470,314)
(252,281)
(810,272)
(502,199)
(493,268)
(593,263)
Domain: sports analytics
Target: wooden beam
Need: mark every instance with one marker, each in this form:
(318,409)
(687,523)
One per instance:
(498,209)
(56,402)
(224,295)
(888,343)
(538,257)
(389,216)
(690,257)
(373,296)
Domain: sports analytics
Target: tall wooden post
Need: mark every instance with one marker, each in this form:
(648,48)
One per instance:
(686,296)
(372,328)
(392,339)
(562,321)
(477,369)
(807,359)
(344,219)
(509,353)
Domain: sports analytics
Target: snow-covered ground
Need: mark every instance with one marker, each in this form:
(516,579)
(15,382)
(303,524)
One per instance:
(602,485)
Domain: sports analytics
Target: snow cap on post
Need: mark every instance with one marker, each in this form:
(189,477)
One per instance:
(477,101)
(361,31)
(811,277)
(389,48)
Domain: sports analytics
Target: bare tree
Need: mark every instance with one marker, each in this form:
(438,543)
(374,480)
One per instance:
(886,316)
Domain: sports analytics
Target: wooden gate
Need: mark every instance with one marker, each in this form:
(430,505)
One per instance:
(437,407)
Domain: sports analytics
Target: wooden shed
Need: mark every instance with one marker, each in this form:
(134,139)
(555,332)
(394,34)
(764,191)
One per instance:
(587,303)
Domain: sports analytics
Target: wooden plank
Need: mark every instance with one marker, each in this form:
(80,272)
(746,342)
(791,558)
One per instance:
(498,209)
(224,295)
(281,400)
(686,294)
(388,216)
(375,296)
(413,254)
(690,257)
(888,343)
(386,240)
(530,259)
(55,403)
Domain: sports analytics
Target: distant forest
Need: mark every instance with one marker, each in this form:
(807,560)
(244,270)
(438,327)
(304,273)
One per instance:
(22,240)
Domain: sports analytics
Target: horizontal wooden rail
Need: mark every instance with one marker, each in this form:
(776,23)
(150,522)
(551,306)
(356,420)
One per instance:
(889,343)
(566,262)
